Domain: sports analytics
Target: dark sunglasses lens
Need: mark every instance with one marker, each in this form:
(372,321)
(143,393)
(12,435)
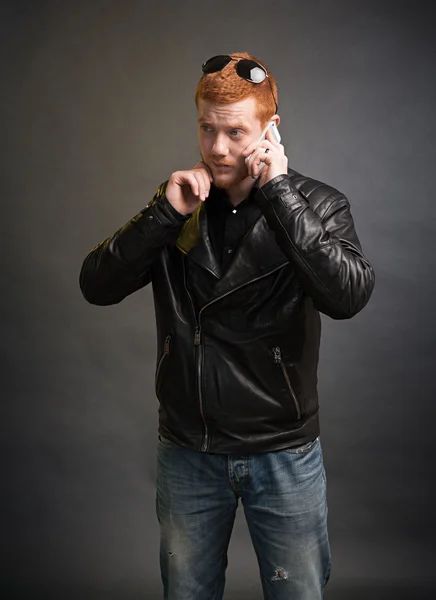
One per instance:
(216,63)
(248,69)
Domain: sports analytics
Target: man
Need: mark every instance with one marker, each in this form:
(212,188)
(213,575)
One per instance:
(241,261)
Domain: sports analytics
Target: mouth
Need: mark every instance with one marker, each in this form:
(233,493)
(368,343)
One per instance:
(221,167)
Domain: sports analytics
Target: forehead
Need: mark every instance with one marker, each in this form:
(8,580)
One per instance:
(242,111)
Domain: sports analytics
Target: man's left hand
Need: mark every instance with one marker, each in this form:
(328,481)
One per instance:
(276,161)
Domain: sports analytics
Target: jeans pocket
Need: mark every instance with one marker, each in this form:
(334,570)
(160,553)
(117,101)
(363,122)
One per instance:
(303,449)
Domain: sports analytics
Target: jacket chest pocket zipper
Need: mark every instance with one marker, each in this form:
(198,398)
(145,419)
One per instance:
(163,357)
(278,360)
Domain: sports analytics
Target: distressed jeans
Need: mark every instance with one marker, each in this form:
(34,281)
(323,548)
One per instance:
(284,498)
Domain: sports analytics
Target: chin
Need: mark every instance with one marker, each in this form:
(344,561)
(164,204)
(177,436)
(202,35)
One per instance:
(225,181)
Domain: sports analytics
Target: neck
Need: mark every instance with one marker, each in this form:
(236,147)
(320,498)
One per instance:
(238,193)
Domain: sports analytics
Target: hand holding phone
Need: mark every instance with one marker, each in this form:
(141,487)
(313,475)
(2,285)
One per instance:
(271,125)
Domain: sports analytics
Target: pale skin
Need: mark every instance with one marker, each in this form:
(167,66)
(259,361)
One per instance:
(227,133)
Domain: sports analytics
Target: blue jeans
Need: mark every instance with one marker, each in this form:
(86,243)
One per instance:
(285,506)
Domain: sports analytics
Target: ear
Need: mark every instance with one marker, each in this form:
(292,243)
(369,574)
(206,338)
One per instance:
(276,120)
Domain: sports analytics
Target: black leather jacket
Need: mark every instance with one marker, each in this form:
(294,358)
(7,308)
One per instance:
(237,353)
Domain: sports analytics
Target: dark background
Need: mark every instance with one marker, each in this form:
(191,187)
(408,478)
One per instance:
(97,110)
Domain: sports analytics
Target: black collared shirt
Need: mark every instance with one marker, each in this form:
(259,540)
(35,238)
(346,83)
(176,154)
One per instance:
(228,224)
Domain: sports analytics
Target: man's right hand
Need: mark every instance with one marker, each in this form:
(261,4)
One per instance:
(187,189)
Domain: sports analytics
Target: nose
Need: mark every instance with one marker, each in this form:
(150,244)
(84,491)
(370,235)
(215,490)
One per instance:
(220,147)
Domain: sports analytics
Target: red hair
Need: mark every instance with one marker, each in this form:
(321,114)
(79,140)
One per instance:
(226,86)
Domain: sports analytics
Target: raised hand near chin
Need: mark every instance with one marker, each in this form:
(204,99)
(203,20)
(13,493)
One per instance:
(187,189)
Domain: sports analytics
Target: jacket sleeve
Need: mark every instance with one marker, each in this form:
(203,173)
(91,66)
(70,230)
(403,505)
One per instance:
(120,265)
(324,249)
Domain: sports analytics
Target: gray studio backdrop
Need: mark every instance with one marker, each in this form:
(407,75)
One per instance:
(97,111)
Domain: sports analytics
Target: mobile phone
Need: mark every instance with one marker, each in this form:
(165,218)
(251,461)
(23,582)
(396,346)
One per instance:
(276,136)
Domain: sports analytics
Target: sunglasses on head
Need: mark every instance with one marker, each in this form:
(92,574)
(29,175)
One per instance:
(249,70)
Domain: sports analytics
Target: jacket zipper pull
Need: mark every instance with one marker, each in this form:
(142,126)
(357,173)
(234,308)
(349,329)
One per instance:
(197,337)
(277,355)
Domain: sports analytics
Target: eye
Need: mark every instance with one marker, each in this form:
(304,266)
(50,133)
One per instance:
(205,127)
(236,131)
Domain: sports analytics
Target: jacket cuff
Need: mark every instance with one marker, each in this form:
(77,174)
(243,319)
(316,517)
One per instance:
(281,187)
(170,212)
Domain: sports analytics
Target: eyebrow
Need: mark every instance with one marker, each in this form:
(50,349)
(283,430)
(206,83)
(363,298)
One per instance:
(239,125)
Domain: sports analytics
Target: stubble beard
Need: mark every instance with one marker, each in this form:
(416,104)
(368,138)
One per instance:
(225,183)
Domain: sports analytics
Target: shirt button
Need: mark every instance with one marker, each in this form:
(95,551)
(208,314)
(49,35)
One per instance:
(234,211)
(230,250)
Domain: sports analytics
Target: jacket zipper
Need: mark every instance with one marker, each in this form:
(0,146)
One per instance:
(198,346)
(162,358)
(278,360)
(199,354)
(199,360)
